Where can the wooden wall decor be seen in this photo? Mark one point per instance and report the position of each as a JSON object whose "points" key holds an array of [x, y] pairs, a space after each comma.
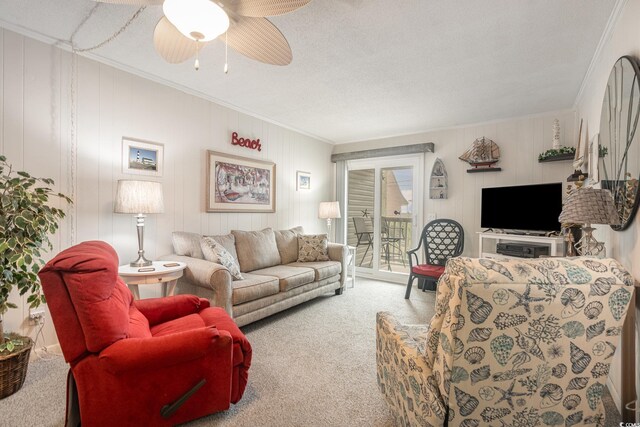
{"points": [[438, 182]]}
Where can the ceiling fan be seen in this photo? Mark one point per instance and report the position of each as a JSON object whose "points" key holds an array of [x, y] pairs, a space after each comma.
{"points": [[188, 25]]}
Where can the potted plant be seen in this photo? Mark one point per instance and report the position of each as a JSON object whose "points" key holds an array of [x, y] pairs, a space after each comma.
{"points": [[26, 222]]}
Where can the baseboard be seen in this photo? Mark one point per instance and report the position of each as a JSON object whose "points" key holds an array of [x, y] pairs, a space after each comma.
{"points": [[53, 349], [614, 394]]}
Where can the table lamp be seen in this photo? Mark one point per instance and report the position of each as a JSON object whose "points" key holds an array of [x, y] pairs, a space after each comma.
{"points": [[589, 206], [139, 198], [329, 211]]}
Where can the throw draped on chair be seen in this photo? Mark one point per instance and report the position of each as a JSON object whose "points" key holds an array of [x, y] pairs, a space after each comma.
{"points": [[160, 362], [518, 342], [441, 239]]}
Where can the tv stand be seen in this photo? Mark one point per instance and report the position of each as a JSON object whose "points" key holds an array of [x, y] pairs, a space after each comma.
{"points": [[488, 241]]}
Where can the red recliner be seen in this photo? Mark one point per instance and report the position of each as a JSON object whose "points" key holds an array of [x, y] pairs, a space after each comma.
{"points": [[159, 362]]}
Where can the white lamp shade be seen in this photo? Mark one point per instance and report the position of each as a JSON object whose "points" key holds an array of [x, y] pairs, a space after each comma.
{"points": [[329, 210], [139, 197], [200, 20]]}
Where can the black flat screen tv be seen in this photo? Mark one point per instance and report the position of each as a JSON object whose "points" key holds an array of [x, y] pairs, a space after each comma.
{"points": [[522, 208]]}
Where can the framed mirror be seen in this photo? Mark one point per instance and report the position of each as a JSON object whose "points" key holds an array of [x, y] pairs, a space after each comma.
{"points": [[619, 151]]}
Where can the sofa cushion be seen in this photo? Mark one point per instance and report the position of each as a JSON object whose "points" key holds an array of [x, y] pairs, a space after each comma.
{"points": [[313, 247], [287, 242], [256, 249], [187, 244], [323, 269], [290, 277], [254, 287], [215, 252], [228, 242]]}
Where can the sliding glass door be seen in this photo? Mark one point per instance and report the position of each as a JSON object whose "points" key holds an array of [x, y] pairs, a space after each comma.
{"points": [[383, 204]]}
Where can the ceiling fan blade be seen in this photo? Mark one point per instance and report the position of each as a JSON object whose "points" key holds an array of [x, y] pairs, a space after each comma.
{"points": [[259, 39], [261, 8], [171, 44], [133, 2]]}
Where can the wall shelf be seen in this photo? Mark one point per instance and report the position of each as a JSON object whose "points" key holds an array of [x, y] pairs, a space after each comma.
{"points": [[560, 158], [438, 182], [475, 170]]}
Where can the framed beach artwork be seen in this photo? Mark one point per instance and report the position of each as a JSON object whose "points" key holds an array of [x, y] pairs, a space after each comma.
{"points": [[303, 180], [142, 157], [240, 184]]}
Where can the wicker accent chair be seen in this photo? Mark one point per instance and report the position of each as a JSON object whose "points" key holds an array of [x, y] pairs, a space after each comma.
{"points": [[517, 342], [441, 239]]}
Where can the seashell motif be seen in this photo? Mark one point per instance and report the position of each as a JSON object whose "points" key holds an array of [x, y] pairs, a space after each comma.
{"points": [[594, 394], [549, 263], [579, 359], [573, 329], [501, 347], [479, 334], [571, 402], [595, 330], [470, 422], [578, 383], [600, 370], [520, 359], [573, 300], [573, 419], [478, 307], [613, 331], [458, 318], [596, 266], [551, 395], [446, 377], [593, 310], [491, 414], [492, 265], [466, 402], [621, 274], [474, 355], [558, 278], [618, 303], [501, 296], [487, 393], [552, 418], [459, 374], [480, 374], [577, 275], [601, 286], [444, 343], [509, 375], [506, 320], [529, 344], [432, 342], [458, 348], [559, 371]]}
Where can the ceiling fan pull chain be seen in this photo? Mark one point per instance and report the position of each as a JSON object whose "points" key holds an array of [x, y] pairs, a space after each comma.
{"points": [[226, 51], [197, 63]]}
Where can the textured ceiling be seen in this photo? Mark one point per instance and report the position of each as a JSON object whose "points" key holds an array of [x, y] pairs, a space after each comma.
{"points": [[365, 69]]}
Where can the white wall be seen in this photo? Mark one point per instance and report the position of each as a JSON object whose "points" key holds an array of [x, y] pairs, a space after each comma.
{"points": [[520, 141], [624, 39], [35, 127]]}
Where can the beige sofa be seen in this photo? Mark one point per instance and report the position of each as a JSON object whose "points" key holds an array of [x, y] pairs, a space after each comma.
{"points": [[273, 279]]}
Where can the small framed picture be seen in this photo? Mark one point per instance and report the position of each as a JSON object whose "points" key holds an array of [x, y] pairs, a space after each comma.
{"points": [[303, 180], [142, 157]]}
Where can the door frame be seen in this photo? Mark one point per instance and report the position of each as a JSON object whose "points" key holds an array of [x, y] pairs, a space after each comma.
{"points": [[378, 163]]}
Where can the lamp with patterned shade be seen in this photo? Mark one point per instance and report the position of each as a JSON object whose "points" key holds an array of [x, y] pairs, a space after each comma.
{"points": [[139, 197], [589, 206]]}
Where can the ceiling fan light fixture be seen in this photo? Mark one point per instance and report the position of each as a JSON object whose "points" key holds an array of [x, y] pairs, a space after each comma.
{"points": [[199, 20]]}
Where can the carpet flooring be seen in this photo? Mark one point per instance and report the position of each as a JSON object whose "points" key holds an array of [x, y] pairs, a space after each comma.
{"points": [[313, 365]]}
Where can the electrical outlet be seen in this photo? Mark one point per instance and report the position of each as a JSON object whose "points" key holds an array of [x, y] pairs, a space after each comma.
{"points": [[36, 314]]}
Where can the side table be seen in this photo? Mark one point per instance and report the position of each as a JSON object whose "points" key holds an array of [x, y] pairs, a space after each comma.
{"points": [[161, 273], [351, 265]]}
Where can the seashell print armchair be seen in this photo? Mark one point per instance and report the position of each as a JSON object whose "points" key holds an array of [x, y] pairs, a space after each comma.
{"points": [[518, 342]]}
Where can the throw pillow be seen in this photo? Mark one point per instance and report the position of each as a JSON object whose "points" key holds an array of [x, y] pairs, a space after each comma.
{"points": [[215, 252], [312, 247]]}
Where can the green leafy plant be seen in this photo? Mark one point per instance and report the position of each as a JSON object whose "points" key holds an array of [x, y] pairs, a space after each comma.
{"points": [[26, 222], [555, 153]]}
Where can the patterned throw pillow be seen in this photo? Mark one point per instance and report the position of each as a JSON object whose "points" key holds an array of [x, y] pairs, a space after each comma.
{"points": [[312, 247], [215, 252]]}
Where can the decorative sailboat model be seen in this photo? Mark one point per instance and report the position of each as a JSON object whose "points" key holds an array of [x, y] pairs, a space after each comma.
{"points": [[482, 155], [580, 159]]}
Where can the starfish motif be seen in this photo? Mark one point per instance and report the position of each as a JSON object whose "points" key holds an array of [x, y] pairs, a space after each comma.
{"points": [[524, 299], [365, 213], [509, 394]]}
